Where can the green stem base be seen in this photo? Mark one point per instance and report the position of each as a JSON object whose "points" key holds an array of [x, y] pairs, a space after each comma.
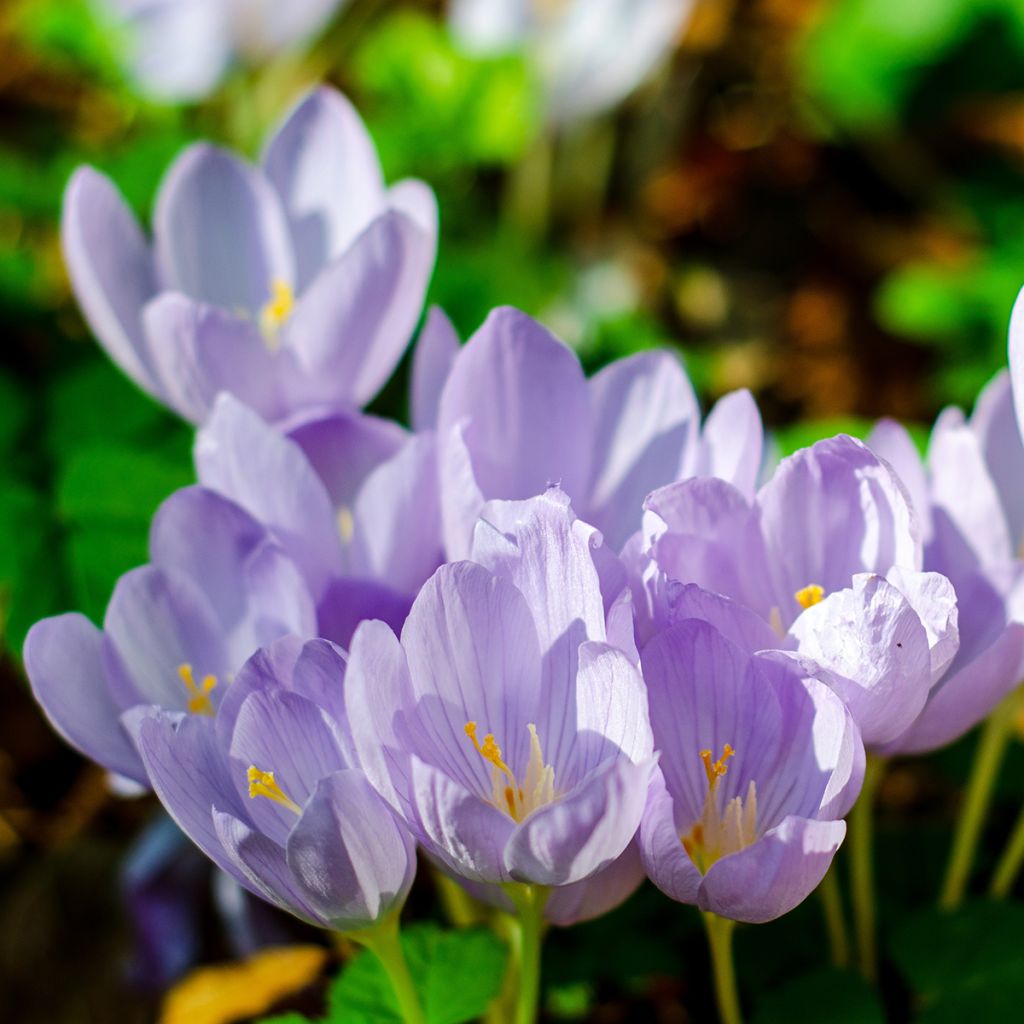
{"points": [[719, 930], [384, 942], [862, 873]]}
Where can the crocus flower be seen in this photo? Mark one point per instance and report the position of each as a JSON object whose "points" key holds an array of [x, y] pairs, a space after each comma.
{"points": [[588, 54], [517, 414], [352, 498], [266, 789], [181, 49], [503, 728], [176, 630], [967, 498], [758, 764], [294, 285], [824, 562]]}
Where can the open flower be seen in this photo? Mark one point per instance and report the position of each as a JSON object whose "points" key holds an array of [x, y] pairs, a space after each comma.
{"points": [[266, 789], [175, 632], [758, 763], [295, 285], [506, 731], [517, 414], [825, 562], [353, 499], [588, 54], [181, 49]]}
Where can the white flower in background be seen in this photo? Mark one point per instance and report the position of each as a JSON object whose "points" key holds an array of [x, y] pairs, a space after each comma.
{"points": [[181, 49], [589, 54]]}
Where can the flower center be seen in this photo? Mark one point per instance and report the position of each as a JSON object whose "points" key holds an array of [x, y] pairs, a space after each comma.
{"points": [[264, 784], [720, 832], [517, 800], [276, 311], [810, 595], [199, 702], [346, 524]]}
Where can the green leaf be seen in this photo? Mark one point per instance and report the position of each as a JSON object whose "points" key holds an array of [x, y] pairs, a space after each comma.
{"points": [[456, 973], [850, 1000]]}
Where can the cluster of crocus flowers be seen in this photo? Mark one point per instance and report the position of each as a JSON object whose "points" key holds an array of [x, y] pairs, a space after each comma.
{"points": [[559, 635]]}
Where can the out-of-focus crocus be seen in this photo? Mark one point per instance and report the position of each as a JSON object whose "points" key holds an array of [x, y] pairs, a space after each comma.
{"points": [[969, 499], [510, 736], [267, 790], [294, 285], [588, 54], [352, 498], [758, 764], [825, 563], [517, 414], [179, 50], [218, 587]]}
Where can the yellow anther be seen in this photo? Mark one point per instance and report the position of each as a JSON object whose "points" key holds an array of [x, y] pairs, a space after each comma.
{"points": [[810, 595], [264, 784], [520, 798], [199, 702], [715, 769], [276, 310]]}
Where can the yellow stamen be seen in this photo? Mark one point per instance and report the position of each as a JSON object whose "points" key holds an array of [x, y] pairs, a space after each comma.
{"points": [[810, 595], [199, 702], [516, 800], [264, 784], [715, 769], [276, 311]]}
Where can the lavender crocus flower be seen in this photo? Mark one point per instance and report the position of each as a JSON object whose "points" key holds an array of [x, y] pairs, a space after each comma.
{"points": [[758, 764], [517, 413], [181, 49], [825, 563], [968, 498], [588, 54], [503, 728], [176, 630], [294, 285], [352, 498], [266, 789]]}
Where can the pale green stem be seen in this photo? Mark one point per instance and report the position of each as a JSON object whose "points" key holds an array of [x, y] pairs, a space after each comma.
{"points": [[995, 735], [384, 942], [459, 907], [720, 931], [529, 901], [1009, 864], [835, 923], [527, 200], [508, 927], [862, 873]]}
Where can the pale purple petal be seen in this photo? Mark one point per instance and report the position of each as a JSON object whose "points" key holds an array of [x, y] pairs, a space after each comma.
{"points": [[111, 270], [734, 621], [732, 442], [347, 602], [601, 892], [774, 875], [64, 663], [932, 596], [220, 232], [416, 200], [461, 497], [995, 422], [1016, 355], [892, 441], [645, 418], [432, 360], [667, 863]]}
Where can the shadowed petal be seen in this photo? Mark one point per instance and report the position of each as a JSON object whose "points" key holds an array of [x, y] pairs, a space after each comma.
{"points": [[667, 863]]}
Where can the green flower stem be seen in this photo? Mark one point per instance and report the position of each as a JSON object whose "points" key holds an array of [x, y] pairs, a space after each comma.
{"points": [[835, 923], [720, 931], [529, 900], [1009, 864], [987, 761], [384, 942], [459, 907], [862, 869]]}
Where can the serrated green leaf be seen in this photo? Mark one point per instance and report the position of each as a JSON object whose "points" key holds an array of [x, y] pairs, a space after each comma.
{"points": [[456, 973]]}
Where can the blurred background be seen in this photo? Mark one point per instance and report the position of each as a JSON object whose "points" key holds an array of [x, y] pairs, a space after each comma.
{"points": [[820, 200]]}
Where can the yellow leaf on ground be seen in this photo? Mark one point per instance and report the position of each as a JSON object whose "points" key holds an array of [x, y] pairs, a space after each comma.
{"points": [[228, 992]]}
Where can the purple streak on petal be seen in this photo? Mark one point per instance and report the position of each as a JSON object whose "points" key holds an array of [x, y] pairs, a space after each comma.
{"points": [[645, 420], [221, 235], [524, 401], [468, 835], [775, 874], [249, 462], [351, 858], [111, 270], [324, 166], [351, 325], [667, 863], [584, 831], [432, 359], [348, 602], [64, 663]]}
